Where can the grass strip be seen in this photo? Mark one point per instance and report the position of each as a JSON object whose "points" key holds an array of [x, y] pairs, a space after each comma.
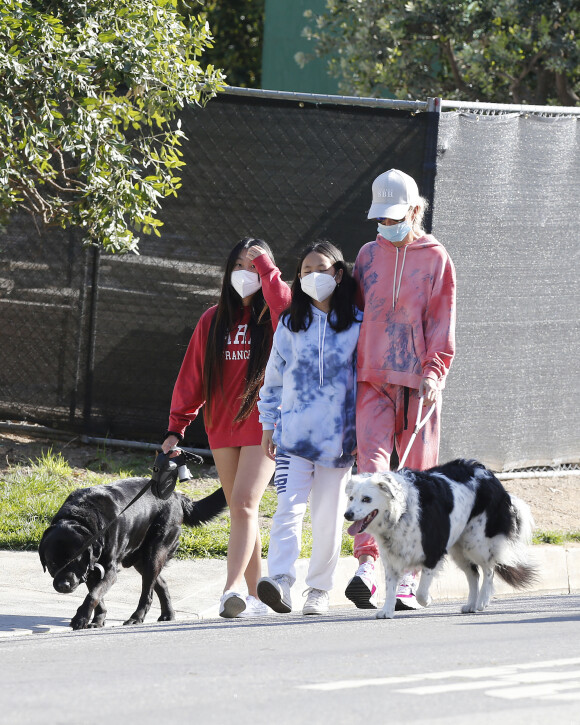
{"points": [[31, 494]]}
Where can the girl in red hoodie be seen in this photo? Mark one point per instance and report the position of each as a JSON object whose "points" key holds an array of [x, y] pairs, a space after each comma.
{"points": [[223, 371], [406, 344]]}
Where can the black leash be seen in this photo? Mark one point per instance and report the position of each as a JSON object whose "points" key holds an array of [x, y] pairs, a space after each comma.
{"points": [[162, 485]]}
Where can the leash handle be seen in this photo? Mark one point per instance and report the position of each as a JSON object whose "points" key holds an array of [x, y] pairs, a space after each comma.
{"points": [[418, 425], [183, 473]]}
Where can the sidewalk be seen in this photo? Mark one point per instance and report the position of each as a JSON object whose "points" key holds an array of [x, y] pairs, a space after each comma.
{"points": [[29, 604]]}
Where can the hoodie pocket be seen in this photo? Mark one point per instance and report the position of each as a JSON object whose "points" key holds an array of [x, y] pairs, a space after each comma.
{"points": [[388, 346]]}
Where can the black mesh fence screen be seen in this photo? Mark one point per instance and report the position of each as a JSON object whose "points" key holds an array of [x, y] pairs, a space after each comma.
{"points": [[507, 205], [43, 314], [96, 341]]}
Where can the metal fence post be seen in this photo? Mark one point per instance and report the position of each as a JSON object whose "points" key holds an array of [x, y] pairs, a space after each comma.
{"points": [[91, 338], [430, 162]]}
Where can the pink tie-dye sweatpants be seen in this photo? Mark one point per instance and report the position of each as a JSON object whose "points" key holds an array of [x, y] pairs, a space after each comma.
{"points": [[380, 429]]}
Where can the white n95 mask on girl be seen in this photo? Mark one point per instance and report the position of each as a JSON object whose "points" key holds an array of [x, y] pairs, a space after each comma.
{"points": [[318, 285], [245, 282]]}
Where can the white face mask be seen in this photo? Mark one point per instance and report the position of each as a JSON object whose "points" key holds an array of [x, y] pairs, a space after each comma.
{"points": [[245, 282], [318, 285]]}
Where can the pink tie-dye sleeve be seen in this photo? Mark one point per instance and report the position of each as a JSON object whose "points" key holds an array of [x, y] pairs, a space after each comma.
{"points": [[440, 327]]}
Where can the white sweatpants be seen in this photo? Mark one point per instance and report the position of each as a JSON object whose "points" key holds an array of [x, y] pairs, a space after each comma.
{"points": [[296, 479]]}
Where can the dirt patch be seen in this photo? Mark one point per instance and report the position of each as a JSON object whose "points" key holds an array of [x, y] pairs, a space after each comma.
{"points": [[555, 502], [18, 449]]}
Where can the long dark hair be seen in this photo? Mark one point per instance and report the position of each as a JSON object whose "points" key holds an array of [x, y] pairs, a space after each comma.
{"points": [[342, 310], [227, 314]]}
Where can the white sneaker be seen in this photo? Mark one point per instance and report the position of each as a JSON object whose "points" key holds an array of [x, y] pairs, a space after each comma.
{"points": [[406, 592], [362, 588], [254, 608], [231, 604], [275, 592], [316, 601]]}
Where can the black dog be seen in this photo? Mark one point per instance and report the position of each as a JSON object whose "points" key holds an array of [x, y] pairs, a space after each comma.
{"points": [[145, 536]]}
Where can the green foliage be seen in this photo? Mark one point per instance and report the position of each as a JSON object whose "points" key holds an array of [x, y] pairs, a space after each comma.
{"points": [[555, 537], [29, 498], [504, 51], [89, 92], [238, 29], [209, 541]]}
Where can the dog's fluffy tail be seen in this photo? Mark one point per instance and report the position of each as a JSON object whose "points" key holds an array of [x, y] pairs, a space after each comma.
{"points": [[196, 513], [523, 521], [522, 576], [515, 566]]}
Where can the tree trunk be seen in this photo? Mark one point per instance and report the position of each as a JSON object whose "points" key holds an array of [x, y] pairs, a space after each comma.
{"points": [[566, 95], [544, 85]]}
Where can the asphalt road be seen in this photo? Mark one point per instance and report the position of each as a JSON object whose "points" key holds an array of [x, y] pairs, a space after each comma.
{"points": [[519, 662]]}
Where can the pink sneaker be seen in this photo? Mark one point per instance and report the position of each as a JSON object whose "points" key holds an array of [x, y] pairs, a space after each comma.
{"points": [[362, 588], [406, 592]]}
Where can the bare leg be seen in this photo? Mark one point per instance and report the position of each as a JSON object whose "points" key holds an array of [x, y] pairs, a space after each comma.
{"points": [[244, 474]]}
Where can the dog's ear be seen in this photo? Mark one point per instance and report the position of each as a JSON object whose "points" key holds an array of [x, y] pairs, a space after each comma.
{"points": [[42, 546], [385, 482], [356, 479], [389, 485]]}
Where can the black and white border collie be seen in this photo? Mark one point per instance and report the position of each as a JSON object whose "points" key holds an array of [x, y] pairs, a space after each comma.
{"points": [[417, 517]]}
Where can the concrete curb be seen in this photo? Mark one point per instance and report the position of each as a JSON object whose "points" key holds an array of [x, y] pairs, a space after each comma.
{"points": [[29, 604]]}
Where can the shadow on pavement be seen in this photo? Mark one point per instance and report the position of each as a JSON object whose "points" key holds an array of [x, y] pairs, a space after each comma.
{"points": [[9, 622]]}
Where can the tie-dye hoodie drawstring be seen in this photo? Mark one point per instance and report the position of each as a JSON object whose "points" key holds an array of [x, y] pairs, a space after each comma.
{"points": [[395, 286], [321, 352]]}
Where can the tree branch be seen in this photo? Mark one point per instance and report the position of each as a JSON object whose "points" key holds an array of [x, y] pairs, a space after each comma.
{"points": [[448, 51]]}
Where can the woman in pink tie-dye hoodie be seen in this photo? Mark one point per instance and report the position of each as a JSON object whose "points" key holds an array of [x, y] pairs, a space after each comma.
{"points": [[407, 342]]}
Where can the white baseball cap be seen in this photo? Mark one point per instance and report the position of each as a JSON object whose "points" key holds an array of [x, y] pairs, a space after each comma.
{"points": [[393, 193]]}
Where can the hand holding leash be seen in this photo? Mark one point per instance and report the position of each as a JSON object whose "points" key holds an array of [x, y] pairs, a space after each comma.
{"points": [[428, 390], [169, 443]]}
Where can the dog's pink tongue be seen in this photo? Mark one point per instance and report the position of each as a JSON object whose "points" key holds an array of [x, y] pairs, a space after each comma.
{"points": [[354, 528]]}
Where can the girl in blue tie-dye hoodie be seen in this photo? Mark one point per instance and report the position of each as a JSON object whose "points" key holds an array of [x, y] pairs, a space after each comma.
{"points": [[307, 410]]}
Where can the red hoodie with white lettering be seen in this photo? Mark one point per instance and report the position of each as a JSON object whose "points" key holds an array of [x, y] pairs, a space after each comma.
{"points": [[188, 395]]}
